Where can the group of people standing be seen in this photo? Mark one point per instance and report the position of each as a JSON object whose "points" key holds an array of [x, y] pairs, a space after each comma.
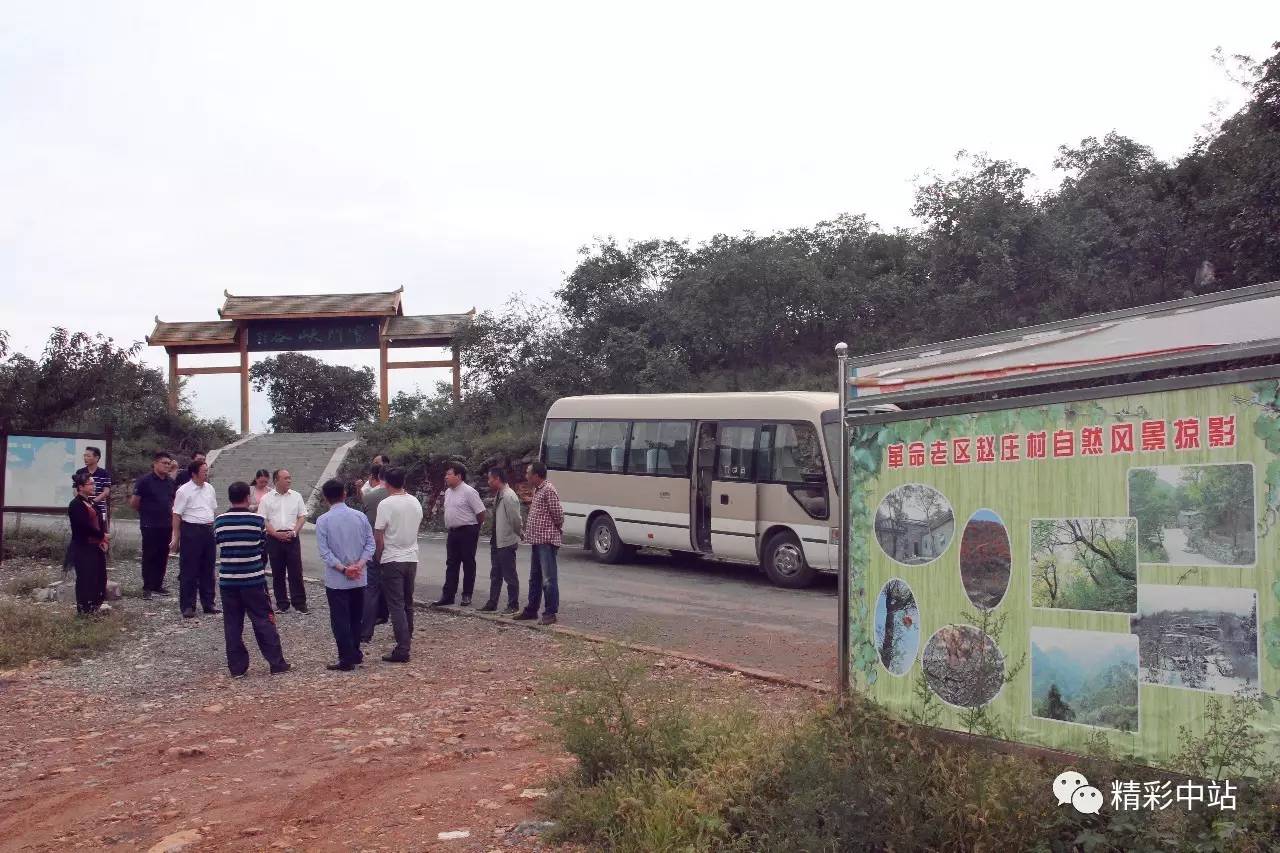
{"points": [[369, 548]]}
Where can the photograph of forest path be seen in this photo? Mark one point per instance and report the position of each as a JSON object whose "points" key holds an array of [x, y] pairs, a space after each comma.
{"points": [[984, 559], [1085, 564], [1087, 677], [1194, 515], [963, 666], [897, 626], [1204, 638]]}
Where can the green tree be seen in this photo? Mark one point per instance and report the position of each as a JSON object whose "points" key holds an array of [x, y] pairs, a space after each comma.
{"points": [[308, 395], [1054, 707], [83, 382]]}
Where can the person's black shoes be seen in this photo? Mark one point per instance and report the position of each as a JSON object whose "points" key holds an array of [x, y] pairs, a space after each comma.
{"points": [[277, 670], [395, 658], [512, 610], [524, 615], [443, 602], [466, 601], [189, 613], [283, 609], [302, 608], [212, 610], [161, 591], [341, 667], [547, 620], [146, 595], [489, 607]]}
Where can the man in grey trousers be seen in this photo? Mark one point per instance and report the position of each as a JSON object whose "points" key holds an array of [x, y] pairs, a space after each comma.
{"points": [[508, 527]]}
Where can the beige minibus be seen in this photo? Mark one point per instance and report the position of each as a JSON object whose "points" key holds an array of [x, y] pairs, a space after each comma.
{"points": [[743, 476]]}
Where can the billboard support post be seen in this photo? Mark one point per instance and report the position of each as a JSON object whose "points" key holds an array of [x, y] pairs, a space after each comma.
{"points": [[842, 548]]}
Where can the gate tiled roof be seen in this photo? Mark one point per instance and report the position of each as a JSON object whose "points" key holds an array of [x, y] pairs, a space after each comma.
{"points": [[311, 305]]}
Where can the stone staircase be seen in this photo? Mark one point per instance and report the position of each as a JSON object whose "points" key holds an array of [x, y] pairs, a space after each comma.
{"points": [[306, 455]]}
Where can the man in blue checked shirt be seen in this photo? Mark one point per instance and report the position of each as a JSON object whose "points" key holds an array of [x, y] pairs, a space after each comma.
{"points": [[242, 580], [345, 539]]}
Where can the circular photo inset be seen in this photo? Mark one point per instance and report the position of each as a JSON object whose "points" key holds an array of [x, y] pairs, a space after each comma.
{"points": [[915, 524], [897, 626], [984, 559], [963, 666]]}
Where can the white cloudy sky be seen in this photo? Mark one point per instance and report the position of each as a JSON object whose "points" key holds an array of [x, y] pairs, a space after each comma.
{"points": [[154, 154]]}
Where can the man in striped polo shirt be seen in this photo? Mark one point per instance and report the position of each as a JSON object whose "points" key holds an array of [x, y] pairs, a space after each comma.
{"points": [[242, 579]]}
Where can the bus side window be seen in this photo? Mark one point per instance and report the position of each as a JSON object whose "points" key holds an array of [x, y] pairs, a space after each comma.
{"points": [[555, 446]]}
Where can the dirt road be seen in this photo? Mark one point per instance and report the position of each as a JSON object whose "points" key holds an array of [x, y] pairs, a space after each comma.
{"points": [[153, 745]]}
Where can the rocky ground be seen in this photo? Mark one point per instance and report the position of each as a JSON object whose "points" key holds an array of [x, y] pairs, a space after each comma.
{"points": [[152, 746]]}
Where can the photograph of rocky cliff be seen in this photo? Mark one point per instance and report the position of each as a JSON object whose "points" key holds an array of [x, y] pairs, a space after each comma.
{"points": [[1203, 638]]}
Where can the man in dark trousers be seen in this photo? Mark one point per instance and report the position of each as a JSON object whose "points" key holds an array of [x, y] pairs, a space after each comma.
{"points": [[194, 507], [242, 579], [463, 515], [344, 538], [152, 499], [88, 548], [375, 604], [285, 513]]}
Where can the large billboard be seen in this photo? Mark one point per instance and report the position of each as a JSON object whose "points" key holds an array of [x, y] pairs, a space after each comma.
{"points": [[38, 468], [1062, 570]]}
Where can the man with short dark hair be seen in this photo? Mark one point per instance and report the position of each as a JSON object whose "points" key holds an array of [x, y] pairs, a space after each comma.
{"points": [[152, 499], [194, 507], [463, 515], [185, 474], [508, 527], [345, 540], [396, 540], [380, 462], [544, 531], [375, 603], [285, 513], [101, 482], [242, 579]]}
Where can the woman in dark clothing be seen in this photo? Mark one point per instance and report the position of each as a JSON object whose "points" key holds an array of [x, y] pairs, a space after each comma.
{"points": [[88, 547]]}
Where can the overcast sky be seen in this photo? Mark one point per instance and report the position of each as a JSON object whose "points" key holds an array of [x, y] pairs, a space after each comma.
{"points": [[154, 154]]}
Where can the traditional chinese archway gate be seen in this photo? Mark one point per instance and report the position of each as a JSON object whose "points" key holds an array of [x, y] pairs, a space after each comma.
{"points": [[333, 321]]}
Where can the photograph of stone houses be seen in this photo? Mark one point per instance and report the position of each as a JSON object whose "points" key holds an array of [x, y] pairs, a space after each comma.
{"points": [[915, 524]]}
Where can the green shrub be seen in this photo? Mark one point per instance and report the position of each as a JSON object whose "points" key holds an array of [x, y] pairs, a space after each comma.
{"points": [[656, 771]]}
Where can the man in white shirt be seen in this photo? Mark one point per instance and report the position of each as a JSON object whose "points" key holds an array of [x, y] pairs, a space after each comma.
{"points": [[395, 535], [194, 507], [463, 515], [285, 512]]}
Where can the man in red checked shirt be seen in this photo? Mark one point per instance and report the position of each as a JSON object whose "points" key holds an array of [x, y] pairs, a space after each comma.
{"points": [[543, 530]]}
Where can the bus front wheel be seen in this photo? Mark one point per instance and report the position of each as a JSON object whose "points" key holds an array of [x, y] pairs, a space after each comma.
{"points": [[604, 540], [784, 562]]}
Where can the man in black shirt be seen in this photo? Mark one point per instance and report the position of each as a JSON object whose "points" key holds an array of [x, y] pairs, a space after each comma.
{"points": [[101, 481], [153, 500], [184, 475]]}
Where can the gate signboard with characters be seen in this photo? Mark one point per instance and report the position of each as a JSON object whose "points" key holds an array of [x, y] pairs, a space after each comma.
{"points": [[1059, 565]]}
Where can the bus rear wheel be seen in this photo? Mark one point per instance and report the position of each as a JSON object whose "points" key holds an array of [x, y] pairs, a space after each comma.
{"points": [[784, 562], [604, 541]]}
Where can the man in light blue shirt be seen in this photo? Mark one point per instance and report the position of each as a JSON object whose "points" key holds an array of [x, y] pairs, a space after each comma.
{"points": [[346, 544]]}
